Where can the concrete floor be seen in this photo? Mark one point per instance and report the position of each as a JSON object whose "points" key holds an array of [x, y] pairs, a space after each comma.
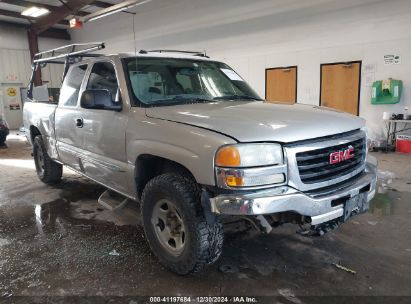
{"points": [[56, 241]]}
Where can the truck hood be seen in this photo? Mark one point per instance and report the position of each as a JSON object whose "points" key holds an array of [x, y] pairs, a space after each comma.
{"points": [[260, 121]]}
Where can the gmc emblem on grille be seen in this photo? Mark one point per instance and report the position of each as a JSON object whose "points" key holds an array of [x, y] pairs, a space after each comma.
{"points": [[340, 156]]}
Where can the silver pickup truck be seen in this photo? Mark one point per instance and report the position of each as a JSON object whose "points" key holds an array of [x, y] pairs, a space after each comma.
{"points": [[187, 138]]}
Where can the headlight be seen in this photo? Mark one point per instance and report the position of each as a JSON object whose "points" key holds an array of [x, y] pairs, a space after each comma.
{"points": [[249, 155], [250, 166]]}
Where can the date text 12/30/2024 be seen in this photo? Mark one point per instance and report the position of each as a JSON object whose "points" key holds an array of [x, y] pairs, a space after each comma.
{"points": [[207, 299]]}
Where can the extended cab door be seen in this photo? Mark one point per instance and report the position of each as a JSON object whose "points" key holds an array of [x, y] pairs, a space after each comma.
{"points": [[104, 132], [68, 126]]}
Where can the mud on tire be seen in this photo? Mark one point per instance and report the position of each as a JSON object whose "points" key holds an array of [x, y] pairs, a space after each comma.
{"points": [[48, 171], [203, 241]]}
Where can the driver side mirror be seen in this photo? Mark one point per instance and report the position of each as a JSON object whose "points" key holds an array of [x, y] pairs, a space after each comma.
{"points": [[99, 100]]}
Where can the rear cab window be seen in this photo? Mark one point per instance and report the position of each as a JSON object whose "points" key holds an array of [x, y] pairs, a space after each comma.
{"points": [[103, 77], [69, 93]]}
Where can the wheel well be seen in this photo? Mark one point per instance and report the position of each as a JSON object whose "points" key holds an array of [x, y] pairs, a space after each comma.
{"points": [[34, 132], [149, 166]]}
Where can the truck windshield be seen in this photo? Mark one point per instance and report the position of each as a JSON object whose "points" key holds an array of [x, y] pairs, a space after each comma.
{"points": [[170, 81]]}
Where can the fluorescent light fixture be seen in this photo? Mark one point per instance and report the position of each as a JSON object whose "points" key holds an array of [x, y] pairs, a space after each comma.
{"points": [[113, 9], [35, 11]]}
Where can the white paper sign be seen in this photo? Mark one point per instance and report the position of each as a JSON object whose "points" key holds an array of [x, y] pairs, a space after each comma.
{"points": [[232, 75], [370, 68], [369, 79], [392, 59]]}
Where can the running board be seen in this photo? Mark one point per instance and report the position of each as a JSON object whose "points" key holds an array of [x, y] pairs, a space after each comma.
{"points": [[112, 203]]}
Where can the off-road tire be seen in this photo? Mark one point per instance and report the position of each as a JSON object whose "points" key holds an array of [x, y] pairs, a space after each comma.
{"points": [[51, 172], [204, 241]]}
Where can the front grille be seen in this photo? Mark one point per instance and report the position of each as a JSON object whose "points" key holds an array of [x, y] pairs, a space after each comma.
{"points": [[314, 166]]}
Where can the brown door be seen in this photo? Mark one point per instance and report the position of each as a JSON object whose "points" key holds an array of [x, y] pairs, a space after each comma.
{"points": [[281, 85], [340, 86]]}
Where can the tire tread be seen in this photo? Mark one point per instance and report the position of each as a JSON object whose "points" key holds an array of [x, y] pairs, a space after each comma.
{"points": [[53, 171], [210, 237]]}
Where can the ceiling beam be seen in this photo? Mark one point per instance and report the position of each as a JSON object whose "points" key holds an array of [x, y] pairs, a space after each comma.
{"points": [[51, 8], [34, 49], [55, 33], [101, 4], [58, 15], [14, 14]]}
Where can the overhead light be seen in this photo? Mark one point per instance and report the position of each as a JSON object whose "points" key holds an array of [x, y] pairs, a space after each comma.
{"points": [[113, 9], [75, 23], [35, 11]]}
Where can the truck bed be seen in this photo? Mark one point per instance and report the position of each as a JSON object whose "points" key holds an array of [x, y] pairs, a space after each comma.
{"points": [[41, 116]]}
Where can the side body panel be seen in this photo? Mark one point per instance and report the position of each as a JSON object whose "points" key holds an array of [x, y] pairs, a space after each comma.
{"points": [[103, 154], [192, 147], [68, 134], [103, 151], [69, 137], [41, 116]]}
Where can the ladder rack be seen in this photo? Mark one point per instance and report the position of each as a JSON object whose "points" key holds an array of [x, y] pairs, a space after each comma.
{"points": [[66, 55]]}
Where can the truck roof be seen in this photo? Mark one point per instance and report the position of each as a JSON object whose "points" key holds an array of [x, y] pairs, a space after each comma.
{"points": [[75, 54], [147, 55], [165, 54]]}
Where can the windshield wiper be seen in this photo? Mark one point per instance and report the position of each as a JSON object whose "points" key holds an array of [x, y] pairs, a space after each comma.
{"points": [[179, 99], [236, 97]]}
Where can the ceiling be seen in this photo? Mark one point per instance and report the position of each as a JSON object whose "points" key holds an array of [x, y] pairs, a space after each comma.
{"points": [[10, 10]]}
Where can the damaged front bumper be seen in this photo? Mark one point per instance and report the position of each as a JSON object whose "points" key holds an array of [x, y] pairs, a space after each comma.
{"points": [[324, 205]]}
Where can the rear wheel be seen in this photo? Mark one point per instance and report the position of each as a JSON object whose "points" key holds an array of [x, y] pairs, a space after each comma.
{"points": [[175, 226], [48, 171]]}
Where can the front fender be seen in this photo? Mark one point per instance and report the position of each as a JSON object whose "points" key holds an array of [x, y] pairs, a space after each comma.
{"points": [[191, 147]]}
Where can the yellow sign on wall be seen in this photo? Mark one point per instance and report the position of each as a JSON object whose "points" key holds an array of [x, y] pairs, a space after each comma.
{"points": [[11, 92]]}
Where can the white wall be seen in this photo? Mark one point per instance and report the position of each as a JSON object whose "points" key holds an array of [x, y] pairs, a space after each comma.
{"points": [[15, 56], [255, 35], [15, 67]]}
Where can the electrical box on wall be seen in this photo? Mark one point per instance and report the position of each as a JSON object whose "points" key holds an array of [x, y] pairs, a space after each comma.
{"points": [[386, 91]]}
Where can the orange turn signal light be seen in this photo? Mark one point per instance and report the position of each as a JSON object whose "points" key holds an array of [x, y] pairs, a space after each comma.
{"points": [[228, 156]]}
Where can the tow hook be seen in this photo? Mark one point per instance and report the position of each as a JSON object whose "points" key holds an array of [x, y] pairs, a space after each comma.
{"points": [[264, 223]]}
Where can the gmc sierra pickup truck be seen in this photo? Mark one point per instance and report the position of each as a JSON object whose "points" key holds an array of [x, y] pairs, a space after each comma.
{"points": [[187, 138]]}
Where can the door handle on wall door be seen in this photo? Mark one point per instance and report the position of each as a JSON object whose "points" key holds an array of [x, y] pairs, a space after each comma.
{"points": [[79, 122]]}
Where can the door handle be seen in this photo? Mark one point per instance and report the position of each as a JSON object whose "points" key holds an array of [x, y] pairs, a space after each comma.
{"points": [[79, 122]]}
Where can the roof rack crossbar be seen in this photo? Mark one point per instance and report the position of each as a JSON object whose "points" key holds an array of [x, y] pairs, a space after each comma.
{"points": [[74, 45], [71, 51], [203, 54]]}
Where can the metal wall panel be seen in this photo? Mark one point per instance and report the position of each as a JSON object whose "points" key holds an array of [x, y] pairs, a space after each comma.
{"points": [[17, 63]]}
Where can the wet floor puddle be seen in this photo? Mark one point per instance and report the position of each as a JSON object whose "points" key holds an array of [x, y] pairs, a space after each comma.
{"points": [[38, 240], [383, 204]]}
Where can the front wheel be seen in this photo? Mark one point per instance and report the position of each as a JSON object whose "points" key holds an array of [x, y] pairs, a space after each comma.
{"points": [[48, 171], [175, 226]]}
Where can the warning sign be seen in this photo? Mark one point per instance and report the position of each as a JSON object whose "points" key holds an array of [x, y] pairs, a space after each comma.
{"points": [[11, 92], [14, 107]]}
